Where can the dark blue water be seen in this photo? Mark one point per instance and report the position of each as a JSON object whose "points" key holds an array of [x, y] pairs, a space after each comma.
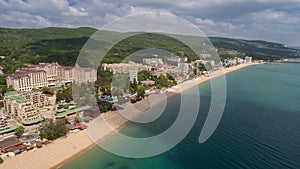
{"points": [[260, 127]]}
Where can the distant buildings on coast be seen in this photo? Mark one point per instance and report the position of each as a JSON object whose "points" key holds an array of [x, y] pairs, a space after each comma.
{"points": [[236, 61], [24, 103]]}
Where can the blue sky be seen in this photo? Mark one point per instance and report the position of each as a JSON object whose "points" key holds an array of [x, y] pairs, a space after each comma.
{"points": [[271, 20]]}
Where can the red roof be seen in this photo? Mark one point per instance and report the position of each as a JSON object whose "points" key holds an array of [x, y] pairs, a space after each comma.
{"points": [[10, 143]]}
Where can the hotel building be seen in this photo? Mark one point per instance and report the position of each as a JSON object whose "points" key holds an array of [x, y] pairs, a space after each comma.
{"points": [[23, 106], [153, 61], [124, 67], [84, 75], [248, 59], [48, 74], [27, 79], [183, 67]]}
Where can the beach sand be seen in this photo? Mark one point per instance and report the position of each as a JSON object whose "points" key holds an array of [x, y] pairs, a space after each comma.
{"points": [[63, 150]]}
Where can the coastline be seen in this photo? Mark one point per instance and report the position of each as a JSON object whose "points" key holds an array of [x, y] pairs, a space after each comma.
{"points": [[63, 150]]}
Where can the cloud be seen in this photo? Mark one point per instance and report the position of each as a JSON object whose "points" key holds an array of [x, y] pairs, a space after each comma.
{"points": [[274, 20], [21, 19]]}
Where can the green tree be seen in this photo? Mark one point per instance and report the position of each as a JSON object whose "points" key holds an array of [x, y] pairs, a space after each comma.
{"points": [[53, 130], [170, 77], [46, 91], [19, 131], [1, 160], [77, 118], [133, 87], [144, 75], [105, 106], [140, 90], [162, 81]]}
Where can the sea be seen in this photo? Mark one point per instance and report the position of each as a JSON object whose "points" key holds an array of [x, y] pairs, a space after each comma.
{"points": [[260, 127]]}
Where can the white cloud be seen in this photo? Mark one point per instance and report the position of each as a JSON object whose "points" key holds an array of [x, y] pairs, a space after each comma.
{"points": [[274, 16], [255, 19], [21, 19]]}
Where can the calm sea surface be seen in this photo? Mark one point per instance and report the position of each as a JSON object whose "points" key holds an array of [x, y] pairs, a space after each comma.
{"points": [[260, 127]]}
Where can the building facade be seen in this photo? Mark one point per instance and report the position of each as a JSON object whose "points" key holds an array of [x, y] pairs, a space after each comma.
{"points": [[133, 75], [153, 61], [84, 75], [27, 79], [23, 106], [124, 67], [248, 59], [183, 67], [65, 74], [48, 74]]}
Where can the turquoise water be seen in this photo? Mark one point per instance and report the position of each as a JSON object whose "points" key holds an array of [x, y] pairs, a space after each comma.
{"points": [[260, 127]]}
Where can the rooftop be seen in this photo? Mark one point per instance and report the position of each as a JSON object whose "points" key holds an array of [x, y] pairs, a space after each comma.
{"points": [[68, 112], [33, 121], [11, 93], [10, 129], [19, 99], [9, 142]]}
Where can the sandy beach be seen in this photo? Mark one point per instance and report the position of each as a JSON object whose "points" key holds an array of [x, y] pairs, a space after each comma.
{"points": [[63, 150]]}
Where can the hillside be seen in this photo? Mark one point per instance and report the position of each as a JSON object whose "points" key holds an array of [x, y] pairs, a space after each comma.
{"points": [[63, 45], [257, 49]]}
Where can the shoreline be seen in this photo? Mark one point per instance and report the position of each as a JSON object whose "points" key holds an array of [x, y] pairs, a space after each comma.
{"points": [[57, 154]]}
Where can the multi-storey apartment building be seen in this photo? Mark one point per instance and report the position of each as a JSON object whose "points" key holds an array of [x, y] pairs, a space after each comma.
{"points": [[124, 67], [23, 106], [49, 68], [65, 74], [27, 79], [84, 75], [48, 74]]}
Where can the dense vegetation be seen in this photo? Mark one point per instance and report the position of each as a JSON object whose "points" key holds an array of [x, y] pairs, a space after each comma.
{"points": [[63, 45], [64, 94], [19, 131], [52, 130], [257, 49]]}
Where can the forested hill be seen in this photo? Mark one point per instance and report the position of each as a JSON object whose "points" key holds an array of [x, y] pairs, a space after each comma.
{"points": [[256, 48], [19, 46]]}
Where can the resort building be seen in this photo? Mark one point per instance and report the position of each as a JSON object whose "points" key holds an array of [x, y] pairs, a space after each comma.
{"points": [[49, 68], [23, 106], [124, 67], [183, 67], [133, 75], [238, 60], [153, 61], [65, 74], [25, 79], [248, 59], [48, 74], [84, 75]]}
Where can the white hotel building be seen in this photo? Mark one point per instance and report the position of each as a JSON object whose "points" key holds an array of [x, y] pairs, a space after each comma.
{"points": [[48, 74], [26, 80]]}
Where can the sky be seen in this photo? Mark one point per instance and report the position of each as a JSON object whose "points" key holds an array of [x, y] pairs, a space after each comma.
{"points": [[270, 20]]}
